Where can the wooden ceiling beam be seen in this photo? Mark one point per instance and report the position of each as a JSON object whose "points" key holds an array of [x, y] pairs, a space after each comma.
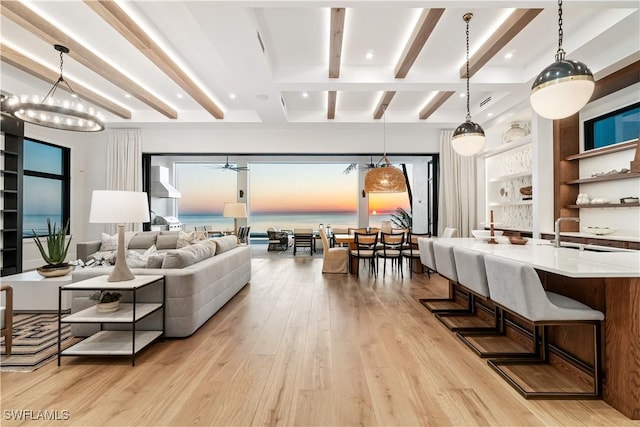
{"points": [[434, 104], [335, 42], [34, 23], [421, 33], [132, 32], [383, 104], [515, 23], [331, 104], [18, 60]]}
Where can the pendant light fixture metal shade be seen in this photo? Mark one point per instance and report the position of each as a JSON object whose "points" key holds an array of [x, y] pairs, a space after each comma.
{"points": [[468, 138], [564, 87], [53, 112], [384, 177]]}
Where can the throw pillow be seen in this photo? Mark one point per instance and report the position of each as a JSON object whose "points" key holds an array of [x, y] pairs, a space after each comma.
{"points": [[110, 243], [185, 239], [155, 261], [143, 240], [139, 260], [167, 241]]}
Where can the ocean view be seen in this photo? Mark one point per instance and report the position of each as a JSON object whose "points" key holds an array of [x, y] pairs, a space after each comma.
{"points": [[260, 222]]}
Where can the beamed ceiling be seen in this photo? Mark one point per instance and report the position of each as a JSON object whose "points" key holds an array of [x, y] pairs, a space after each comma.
{"points": [[305, 62]]}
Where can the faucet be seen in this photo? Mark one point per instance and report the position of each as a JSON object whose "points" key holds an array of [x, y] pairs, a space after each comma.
{"points": [[556, 241]]}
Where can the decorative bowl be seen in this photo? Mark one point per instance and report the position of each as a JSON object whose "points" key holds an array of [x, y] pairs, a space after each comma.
{"points": [[516, 240], [486, 234], [600, 231], [629, 200]]}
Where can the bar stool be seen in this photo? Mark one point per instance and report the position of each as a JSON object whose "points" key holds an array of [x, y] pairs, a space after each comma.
{"points": [[516, 287], [473, 276], [445, 265]]}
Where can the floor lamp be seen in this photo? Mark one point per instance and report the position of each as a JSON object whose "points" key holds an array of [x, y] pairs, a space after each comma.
{"points": [[235, 211], [119, 207]]}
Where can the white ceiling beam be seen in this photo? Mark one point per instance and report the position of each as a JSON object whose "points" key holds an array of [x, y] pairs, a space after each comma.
{"points": [[34, 23], [18, 60], [132, 32]]}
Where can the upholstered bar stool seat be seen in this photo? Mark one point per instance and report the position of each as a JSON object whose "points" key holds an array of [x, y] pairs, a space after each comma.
{"points": [[445, 265], [472, 330], [517, 288]]}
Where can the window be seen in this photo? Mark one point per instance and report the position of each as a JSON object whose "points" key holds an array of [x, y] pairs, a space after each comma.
{"points": [[46, 185], [618, 126]]}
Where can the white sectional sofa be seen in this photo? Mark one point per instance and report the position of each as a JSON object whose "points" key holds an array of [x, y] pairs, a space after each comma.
{"points": [[194, 293]]}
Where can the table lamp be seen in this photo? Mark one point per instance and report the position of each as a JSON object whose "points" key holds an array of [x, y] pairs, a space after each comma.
{"points": [[119, 207], [235, 211]]}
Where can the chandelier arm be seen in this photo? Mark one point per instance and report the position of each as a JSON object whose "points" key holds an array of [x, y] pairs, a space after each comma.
{"points": [[52, 91]]}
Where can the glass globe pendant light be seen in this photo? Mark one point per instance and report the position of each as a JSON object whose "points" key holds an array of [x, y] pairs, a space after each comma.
{"points": [[53, 112], [564, 87], [468, 138]]}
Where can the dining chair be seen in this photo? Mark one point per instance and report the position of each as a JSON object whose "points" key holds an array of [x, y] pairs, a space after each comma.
{"points": [[365, 248], [303, 238], [411, 251], [334, 260], [6, 318], [449, 232], [392, 244]]}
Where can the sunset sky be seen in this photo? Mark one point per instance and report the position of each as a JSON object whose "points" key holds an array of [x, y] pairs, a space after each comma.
{"points": [[279, 188]]}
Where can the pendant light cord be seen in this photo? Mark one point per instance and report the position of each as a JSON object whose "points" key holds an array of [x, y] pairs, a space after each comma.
{"points": [[560, 54], [467, 19]]}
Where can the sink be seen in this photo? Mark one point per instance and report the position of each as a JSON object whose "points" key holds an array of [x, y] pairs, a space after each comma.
{"points": [[588, 247]]}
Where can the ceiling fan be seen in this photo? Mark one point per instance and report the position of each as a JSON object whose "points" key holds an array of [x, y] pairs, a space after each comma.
{"points": [[354, 166], [228, 166]]}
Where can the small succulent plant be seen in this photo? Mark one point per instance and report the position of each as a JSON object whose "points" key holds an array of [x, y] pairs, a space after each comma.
{"points": [[103, 297]]}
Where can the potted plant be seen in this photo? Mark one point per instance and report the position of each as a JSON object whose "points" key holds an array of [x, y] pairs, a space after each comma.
{"points": [[106, 302], [55, 253]]}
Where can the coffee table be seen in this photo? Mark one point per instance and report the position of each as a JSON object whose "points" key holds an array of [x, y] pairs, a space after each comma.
{"points": [[34, 293]]}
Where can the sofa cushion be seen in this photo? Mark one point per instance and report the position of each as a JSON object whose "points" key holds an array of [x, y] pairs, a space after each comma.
{"points": [[136, 259], [143, 240], [189, 255], [225, 243], [167, 241], [155, 261]]}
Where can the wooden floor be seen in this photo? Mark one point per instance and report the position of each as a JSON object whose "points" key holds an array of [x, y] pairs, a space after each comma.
{"points": [[297, 347]]}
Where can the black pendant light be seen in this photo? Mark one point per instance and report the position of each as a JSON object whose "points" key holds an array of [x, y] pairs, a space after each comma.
{"points": [[564, 87], [468, 138]]}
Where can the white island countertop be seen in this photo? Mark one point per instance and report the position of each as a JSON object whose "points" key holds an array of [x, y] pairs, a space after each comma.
{"points": [[564, 261]]}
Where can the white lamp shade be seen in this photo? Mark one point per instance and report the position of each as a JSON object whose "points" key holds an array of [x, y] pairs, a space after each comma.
{"points": [[118, 207], [235, 210], [563, 99], [468, 145]]}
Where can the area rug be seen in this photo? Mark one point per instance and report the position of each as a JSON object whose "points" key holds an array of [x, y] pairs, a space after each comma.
{"points": [[35, 342]]}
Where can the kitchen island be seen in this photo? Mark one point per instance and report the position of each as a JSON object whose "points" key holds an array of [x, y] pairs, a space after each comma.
{"points": [[608, 281]]}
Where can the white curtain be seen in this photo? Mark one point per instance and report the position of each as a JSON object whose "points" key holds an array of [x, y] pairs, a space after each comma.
{"points": [[457, 192], [124, 164]]}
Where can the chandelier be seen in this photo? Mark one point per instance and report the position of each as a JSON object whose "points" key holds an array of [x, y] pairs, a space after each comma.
{"points": [[468, 138], [53, 112], [384, 178], [564, 87]]}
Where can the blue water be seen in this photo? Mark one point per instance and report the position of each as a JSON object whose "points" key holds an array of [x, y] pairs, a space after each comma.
{"points": [[39, 224], [260, 222]]}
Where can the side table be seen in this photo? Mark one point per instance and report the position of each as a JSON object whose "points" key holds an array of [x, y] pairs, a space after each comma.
{"points": [[34, 293], [114, 342]]}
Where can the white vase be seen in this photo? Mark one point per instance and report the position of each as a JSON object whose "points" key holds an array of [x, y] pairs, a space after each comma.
{"points": [[515, 132]]}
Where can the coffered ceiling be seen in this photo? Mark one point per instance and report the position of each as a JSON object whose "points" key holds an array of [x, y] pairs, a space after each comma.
{"points": [[305, 62]]}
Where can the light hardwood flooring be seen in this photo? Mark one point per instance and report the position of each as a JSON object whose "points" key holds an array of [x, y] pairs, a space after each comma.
{"points": [[296, 347]]}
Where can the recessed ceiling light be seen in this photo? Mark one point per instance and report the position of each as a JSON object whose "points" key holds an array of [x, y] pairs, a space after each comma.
{"points": [[369, 55], [127, 95], [179, 95], [262, 97], [508, 55], [232, 95], [462, 95], [305, 95], [490, 114]]}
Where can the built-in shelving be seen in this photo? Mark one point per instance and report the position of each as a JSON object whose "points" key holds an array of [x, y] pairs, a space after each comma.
{"points": [[604, 205], [604, 151], [509, 177], [603, 178], [515, 203], [12, 133]]}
